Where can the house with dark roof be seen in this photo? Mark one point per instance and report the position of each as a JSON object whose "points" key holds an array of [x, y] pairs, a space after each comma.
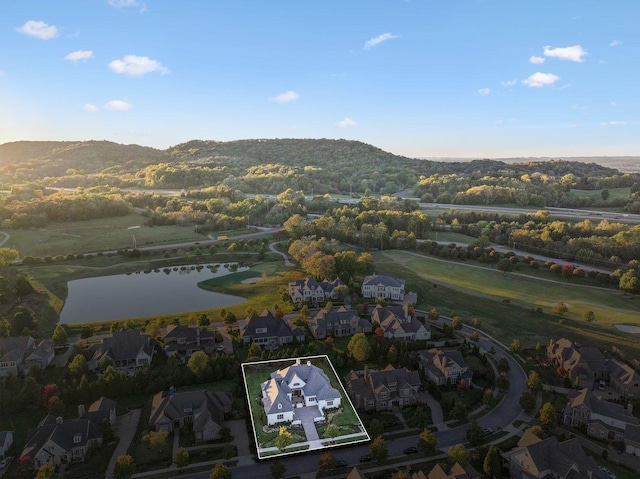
{"points": [[582, 363], [457, 471], [269, 331], [313, 292], [19, 353], [6, 440], [103, 408], [297, 386], [602, 419], [397, 323], [202, 410], [126, 349], [55, 441], [381, 390], [625, 380], [444, 367], [384, 287], [182, 340], [549, 458], [337, 322]]}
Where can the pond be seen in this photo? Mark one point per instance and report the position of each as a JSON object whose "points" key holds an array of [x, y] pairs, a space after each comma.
{"points": [[161, 291]]}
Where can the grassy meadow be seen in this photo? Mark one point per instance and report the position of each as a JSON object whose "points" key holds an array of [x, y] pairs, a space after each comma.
{"points": [[506, 304]]}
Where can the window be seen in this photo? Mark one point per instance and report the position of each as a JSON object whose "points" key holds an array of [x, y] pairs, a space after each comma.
{"points": [[77, 438], [279, 406], [330, 403], [280, 417]]}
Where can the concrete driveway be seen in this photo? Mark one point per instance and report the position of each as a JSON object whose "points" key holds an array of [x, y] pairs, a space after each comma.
{"points": [[306, 415], [126, 426]]}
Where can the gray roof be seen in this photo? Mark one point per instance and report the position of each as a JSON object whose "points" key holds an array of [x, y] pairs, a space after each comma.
{"points": [[194, 337], [62, 434], [123, 345], [275, 327], [380, 280], [3, 437], [599, 406], [204, 405]]}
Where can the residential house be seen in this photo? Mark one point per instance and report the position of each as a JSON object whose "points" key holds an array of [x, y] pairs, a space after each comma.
{"points": [[445, 367], [182, 340], [6, 440], [601, 419], [126, 349], [549, 458], [397, 323], [55, 441], [296, 386], [337, 322], [582, 363], [355, 474], [457, 471], [19, 353], [632, 440], [314, 292], [383, 390], [384, 287], [203, 410], [269, 331], [625, 380]]}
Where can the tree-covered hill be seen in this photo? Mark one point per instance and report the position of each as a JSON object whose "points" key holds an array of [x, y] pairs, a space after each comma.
{"points": [[35, 160]]}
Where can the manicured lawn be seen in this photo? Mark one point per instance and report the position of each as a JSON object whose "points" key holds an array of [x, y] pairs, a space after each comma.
{"points": [[233, 278], [505, 303], [97, 463]]}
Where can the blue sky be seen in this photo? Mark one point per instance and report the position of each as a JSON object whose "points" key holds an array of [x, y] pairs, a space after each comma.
{"points": [[422, 78]]}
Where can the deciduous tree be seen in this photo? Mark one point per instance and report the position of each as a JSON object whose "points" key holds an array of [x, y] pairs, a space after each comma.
{"points": [[427, 442]]}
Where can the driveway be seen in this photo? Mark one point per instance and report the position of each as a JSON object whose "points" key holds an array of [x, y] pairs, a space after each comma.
{"points": [[306, 415], [126, 426]]}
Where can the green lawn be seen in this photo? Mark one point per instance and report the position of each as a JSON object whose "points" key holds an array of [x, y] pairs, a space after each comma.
{"points": [[505, 303]]}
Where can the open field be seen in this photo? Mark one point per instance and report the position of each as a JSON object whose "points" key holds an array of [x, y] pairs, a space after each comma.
{"points": [[103, 234], [614, 194], [505, 303]]}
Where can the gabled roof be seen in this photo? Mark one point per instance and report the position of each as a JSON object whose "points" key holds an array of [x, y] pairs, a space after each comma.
{"points": [[266, 321], [123, 345], [63, 434], [601, 407], [202, 405]]}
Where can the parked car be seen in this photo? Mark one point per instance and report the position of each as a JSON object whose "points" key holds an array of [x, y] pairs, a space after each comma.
{"points": [[410, 450], [220, 348], [608, 472], [5, 462], [365, 458], [487, 430]]}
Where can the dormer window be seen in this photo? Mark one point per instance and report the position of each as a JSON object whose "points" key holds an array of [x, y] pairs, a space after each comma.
{"points": [[77, 438], [279, 406]]}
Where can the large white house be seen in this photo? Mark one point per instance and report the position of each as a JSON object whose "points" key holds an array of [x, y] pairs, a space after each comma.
{"points": [[385, 287], [299, 385]]}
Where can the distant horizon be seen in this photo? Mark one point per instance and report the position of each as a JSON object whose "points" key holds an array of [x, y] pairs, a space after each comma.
{"points": [[466, 79]]}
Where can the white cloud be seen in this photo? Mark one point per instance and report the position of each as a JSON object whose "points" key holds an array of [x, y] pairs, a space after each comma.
{"points": [[39, 29], [615, 43], [347, 122], [118, 105], [128, 4], [508, 83], [574, 53], [613, 123], [484, 91], [90, 108], [286, 97], [378, 40], [536, 60], [541, 79], [79, 55], [136, 66]]}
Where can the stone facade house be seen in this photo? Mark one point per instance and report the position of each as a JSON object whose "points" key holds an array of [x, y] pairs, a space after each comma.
{"points": [[19, 353], [313, 292], [582, 363], [296, 386], [182, 340], [383, 390], [385, 287], [57, 442], [444, 367], [397, 323], [269, 331], [127, 350], [203, 410], [601, 419], [549, 458], [337, 322]]}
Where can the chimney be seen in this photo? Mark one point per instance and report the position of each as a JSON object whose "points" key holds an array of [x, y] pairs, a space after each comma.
{"points": [[630, 409], [81, 410], [308, 363], [406, 310], [589, 473], [366, 371], [172, 391], [59, 420]]}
